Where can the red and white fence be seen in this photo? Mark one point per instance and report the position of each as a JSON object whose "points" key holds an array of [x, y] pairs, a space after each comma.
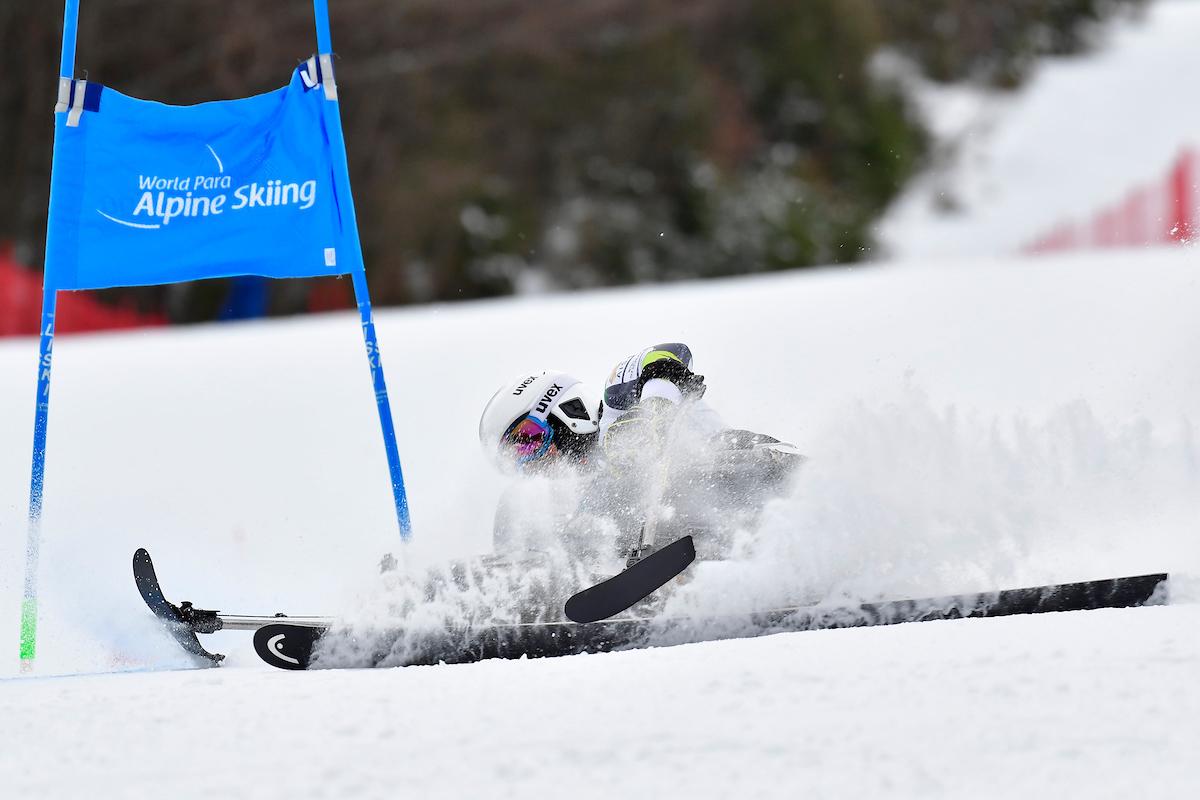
{"points": [[1166, 211], [21, 306]]}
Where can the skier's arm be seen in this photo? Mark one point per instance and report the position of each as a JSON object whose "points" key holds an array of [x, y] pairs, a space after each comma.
{"points": [[663, 382]]}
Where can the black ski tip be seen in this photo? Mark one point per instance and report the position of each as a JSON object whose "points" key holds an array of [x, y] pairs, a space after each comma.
{"points": [[167, 612], [286, 646], [625, 589], [143, 569]]}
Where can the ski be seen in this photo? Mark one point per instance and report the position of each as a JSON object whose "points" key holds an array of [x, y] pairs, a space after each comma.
{"points": [[285, 645], [184, 621], [629, 587], [289, 646]]}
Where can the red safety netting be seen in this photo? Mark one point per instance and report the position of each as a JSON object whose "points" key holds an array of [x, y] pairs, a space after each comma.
{"points": [[1164, 211], [78, 312]]}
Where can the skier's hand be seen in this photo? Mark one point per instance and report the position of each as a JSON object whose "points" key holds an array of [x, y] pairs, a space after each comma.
{"points": [[690, 384]]}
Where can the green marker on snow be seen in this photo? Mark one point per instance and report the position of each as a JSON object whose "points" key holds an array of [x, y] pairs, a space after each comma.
{"points": [[28, 633]]}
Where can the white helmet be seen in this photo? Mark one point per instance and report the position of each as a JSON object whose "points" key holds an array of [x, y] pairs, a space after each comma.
{"points": [[556, 408]]}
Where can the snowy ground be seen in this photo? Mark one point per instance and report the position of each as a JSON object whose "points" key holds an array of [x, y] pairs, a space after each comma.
{"points": [[1084, 132], [1100, 704], [997, 424]]}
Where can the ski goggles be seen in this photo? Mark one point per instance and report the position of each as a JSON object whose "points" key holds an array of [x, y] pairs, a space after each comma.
{"points": [[527, 439]]}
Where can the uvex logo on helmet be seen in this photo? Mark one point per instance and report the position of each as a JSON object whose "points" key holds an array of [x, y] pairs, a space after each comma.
{"points": [[550, 394], [524, 384]]}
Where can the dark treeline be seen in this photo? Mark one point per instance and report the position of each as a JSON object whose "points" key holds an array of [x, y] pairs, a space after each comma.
{"points": [[501, 145]]}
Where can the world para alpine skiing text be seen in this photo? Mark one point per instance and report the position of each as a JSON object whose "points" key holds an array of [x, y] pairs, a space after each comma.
{"points": [[159, 200]]}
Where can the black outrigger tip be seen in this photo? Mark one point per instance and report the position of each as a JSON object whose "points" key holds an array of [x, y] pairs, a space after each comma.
{"points": [[625, 589], [184, 621]]}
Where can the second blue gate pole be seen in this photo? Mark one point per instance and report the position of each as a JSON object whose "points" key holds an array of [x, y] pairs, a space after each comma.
{"points": [[363, 298]]}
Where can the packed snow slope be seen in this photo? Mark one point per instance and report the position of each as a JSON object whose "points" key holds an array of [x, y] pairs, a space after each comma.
{"points": [[1083, 132], [995, 424], [1097, 704]]}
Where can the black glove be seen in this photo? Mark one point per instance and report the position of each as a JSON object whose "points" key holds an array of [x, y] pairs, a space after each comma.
{"points": [[690, 384]]}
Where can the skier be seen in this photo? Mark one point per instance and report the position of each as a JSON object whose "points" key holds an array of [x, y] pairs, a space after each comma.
{"points": [[550, 417], [648, 440]]}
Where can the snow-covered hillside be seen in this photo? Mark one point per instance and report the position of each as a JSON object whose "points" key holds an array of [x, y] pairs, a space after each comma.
{"points": [[1015, 422], [1083, 132], [1099, 704]]}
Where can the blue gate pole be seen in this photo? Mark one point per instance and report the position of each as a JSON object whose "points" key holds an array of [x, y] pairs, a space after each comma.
{"points": [[324, 38], [363, 298], [70, 26], [33, 541], [41, 419]]}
